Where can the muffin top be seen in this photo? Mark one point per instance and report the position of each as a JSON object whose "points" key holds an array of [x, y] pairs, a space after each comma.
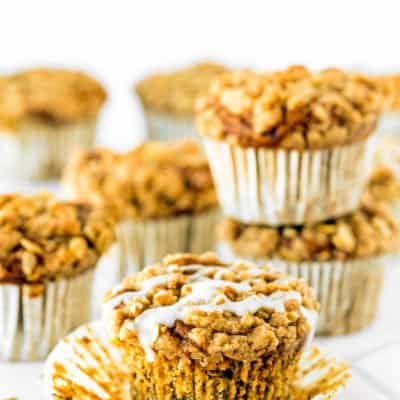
{"points": [[370, 231], [52, 95], [42, 238], [210, 311], [175, 92], [154, 180], [292, 109]]}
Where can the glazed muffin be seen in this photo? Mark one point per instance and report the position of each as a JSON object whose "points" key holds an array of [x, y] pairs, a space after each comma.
{"points": [[342, 259], [48, 254], [192, 327], [46, 115], [168, 99], [289, 147], [162, 194]]}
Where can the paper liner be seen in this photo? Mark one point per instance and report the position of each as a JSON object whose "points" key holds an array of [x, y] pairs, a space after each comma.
{"points": [[277, 186], [148, 241], [349, 292], [85, 366], [39, 150], [164, 126], [33, 318]]}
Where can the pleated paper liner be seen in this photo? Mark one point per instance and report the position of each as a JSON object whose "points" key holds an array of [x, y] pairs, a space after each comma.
{"points": [[164, 126], [278, 186], [85, 366], [40, 150], [148, 241], [33, 318], [349, 292]]}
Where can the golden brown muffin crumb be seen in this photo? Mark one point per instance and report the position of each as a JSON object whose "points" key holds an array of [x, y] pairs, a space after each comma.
{"points": [[175, 92], [383, 185], [154, 180], [210, 302], [42, 238], [390, 87], [370, 231], [53, 95], [293, 109]]}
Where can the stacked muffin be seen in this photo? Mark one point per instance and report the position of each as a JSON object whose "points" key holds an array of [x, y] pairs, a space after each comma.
{"points": [[168, 99], [291, 153], [45, 115], [162, 194]]}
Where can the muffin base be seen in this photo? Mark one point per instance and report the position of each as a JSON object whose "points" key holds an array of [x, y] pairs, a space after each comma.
{"points": [[148, 241], [87, 367], [349, 292], [39, 150], [34, 317], [182, 378], [164, 126], [279, 187]]}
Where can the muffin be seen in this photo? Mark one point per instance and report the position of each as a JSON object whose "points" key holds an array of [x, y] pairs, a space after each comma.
{"points": [[45, 115], [48, 254], [289, 147], [342, 259], [168, 99], [192, 327], [162, 194]]}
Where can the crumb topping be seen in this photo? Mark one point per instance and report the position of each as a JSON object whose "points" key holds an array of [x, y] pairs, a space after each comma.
{"points": [[53, 95], [42, 238], [155, 180], [370, 231], [210, 310], [383, 185], [293, 109], [175, 92], [390, 86]]}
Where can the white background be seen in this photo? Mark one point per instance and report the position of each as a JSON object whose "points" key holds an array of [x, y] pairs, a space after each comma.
{"points": [[121, 41]]}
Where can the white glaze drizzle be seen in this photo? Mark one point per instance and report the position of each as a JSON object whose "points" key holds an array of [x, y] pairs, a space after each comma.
{"points": [[203, 295]]}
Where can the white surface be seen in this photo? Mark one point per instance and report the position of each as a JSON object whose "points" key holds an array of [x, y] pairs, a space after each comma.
{"points": [[374, 355], [120, 42]]}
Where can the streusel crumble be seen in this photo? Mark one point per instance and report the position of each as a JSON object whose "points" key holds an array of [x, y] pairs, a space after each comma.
{"points": [[292, 109]]}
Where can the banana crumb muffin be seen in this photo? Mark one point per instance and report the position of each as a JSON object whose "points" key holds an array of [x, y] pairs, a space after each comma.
{"points": [[342, 259], [168, 99], [48, 253], [289, 147], [52, 111], [162, 194], [193, 327]]}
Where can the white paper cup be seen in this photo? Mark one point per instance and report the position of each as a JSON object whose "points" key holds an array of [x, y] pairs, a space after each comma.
{"points": [[349, 292], [34, 317], [40, 150], [148, 241], [279, 187], [164, 126], [86, 366]]}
